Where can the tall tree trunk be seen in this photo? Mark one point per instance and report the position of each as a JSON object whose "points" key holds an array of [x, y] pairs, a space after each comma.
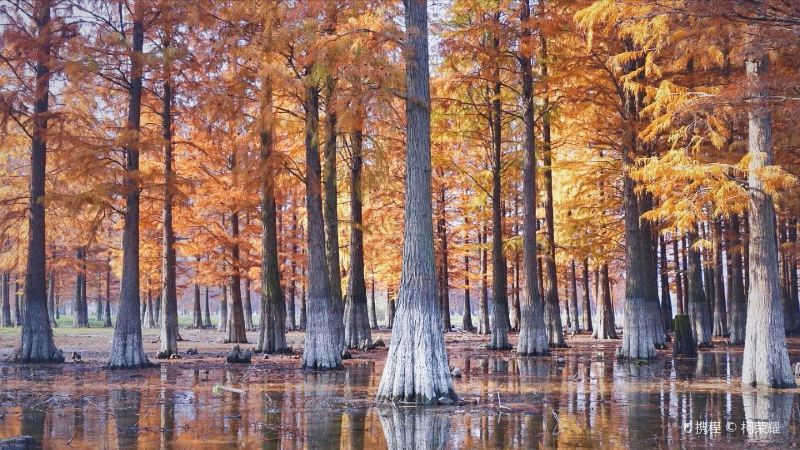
{"points": [[107, 315], [291, 322], [5, 292], [483, 301], [444, 279], [698, 303], [356, 315], [272, 328], [573, 299], [720, 311], [80, 317], [197, 310], [605, 327], [248, 306], [223, 310], [587, 302], [148, 309], [416, 368], [127, 350], [303, 316], [18, 303], [766, 359], [532, 331], [685, 277], [168, 336], [322, 349], [390, 309], [236, 328], [330, 214], [794, 298], [500, 320], [666, 298], [466, 324], [678, 278]]}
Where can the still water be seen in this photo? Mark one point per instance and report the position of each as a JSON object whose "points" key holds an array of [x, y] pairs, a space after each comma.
{"points": [[583, 401]]}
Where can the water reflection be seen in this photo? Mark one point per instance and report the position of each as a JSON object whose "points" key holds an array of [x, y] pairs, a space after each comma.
{"points": [[574, 401]]}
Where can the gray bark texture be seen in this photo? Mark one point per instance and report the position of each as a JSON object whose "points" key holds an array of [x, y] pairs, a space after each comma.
{"points": [[766, 359], [698, 303], [416, 368], [127, 350]]}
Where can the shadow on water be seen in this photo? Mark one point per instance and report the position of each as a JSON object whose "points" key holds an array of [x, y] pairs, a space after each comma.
{"points": [[575, 401]]}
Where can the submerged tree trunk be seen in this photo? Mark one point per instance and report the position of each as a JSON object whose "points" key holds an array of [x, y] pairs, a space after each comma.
{"points": [[666, 298], [416, 368], [330, 214], [272, 331], [322, 349], [500, 320], [587, 302], [766, 359], [720, 311], [532, 331], [698, 304], [357, 332], [168, 336], [605, 326], [36, 338], [127, 350], [483, 301]]}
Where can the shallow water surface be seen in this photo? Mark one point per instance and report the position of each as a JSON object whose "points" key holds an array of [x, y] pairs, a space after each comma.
{"points": [[586, 400]]}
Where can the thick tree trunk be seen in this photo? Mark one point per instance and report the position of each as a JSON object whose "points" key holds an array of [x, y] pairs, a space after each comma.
{"points": [[272, 331], [587, 302], [373, 317], [678, 278], [237, 333], [207, 313], [698, 304], [766, 359], [330, 214], [127, 350], [532, 331], [357, 333], [5, 292], [500, 320], [684, 339], [323, 346], [444, 278], [416, 368], [720, 311], [666, 298], [605, 326], [483, 301], [168, 336], [36, 338]]}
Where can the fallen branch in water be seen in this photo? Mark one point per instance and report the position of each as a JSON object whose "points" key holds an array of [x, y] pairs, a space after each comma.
{"points": [[218, 388]]}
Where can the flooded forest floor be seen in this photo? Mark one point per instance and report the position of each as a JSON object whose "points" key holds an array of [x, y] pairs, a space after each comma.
{"points": [[580, 396]]}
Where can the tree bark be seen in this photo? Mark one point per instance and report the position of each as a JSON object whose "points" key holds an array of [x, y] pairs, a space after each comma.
{"points": [[127, 350], [223, 310], [107, 315], [720, 311], [698, 304], [80, 314], [291, 322], [573, 299], [236, 328], [605, 327], [357, 333], [416, 368], [466, 324], [207, 313], [685, 277], [532, 331], [587, 302], [794, 298], [197, 310], [738, 298], [5, 292], [444, 279], [51, 300], [766, 359], [500, 320], [483, 301], [373, 317], [168, 336], [272, 331], [330, 214], [150, 320], [666, 298], [248, 306], [678, 278], [322, 350]]}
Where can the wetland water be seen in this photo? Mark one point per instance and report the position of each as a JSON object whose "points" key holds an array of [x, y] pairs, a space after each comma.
{"points": [[575, 400]]}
